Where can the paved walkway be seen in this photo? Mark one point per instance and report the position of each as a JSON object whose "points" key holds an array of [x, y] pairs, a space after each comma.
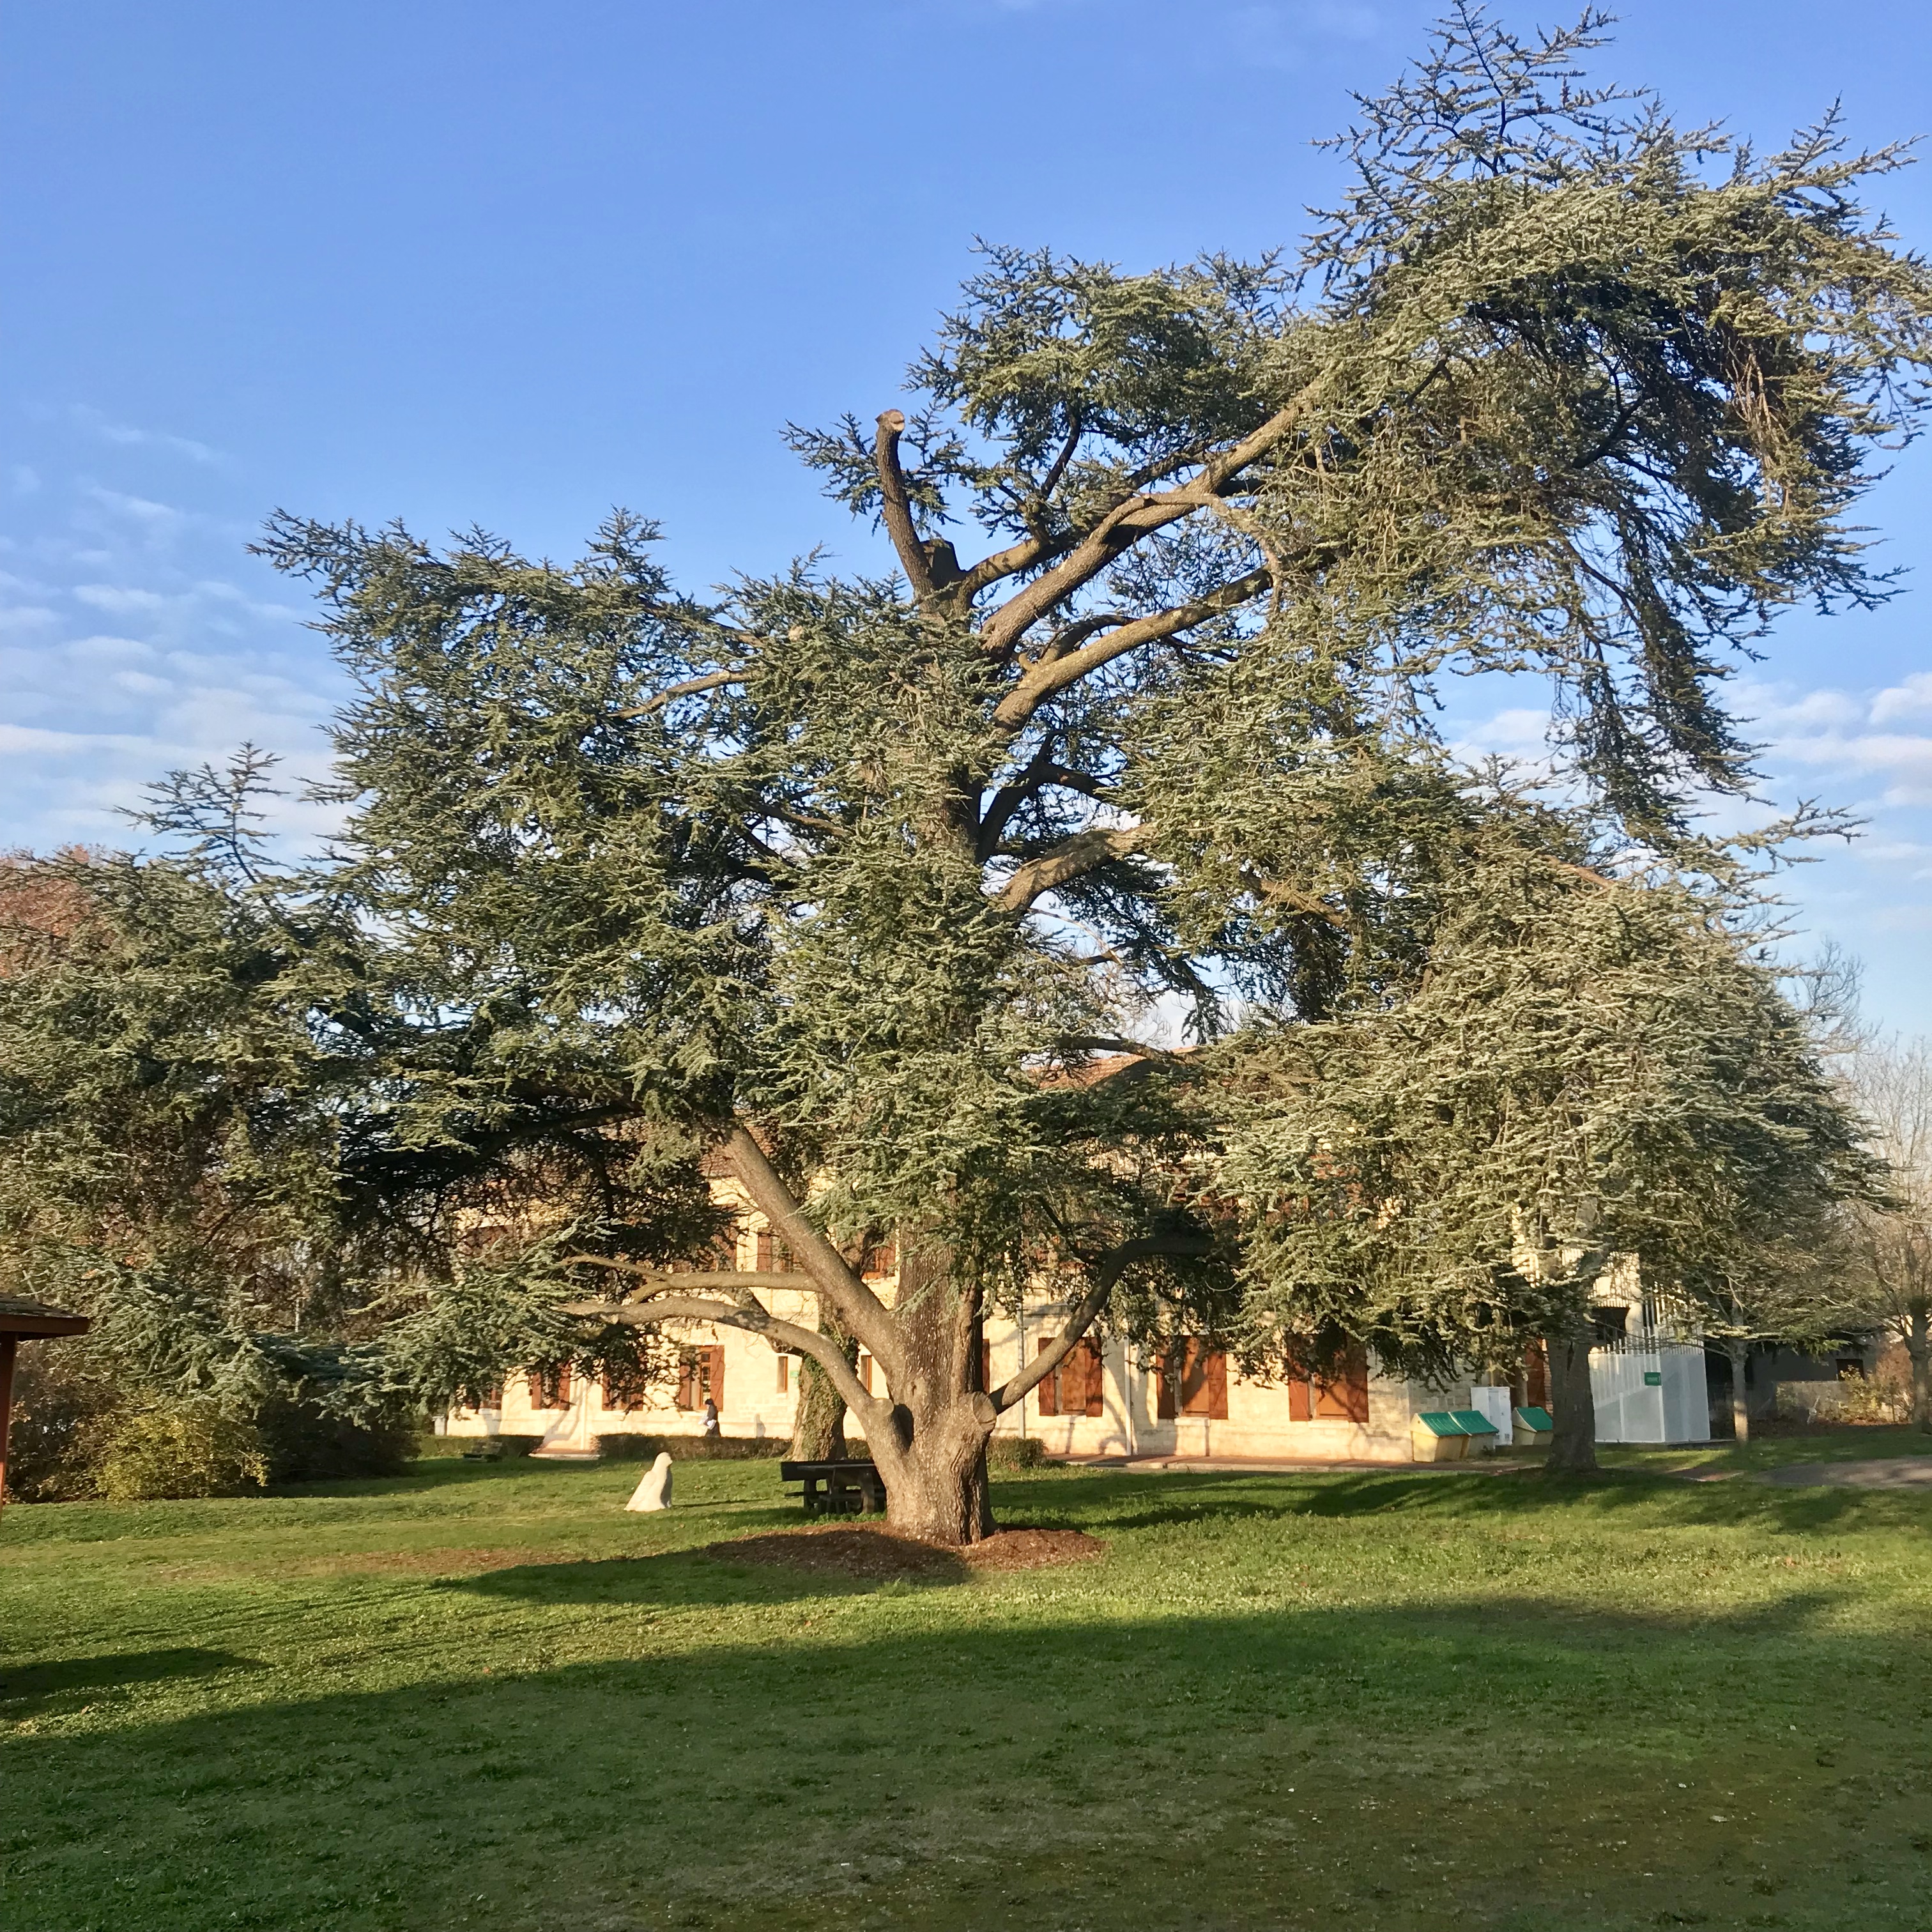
{"points": [[1257, 1465], [1878, 1472]]}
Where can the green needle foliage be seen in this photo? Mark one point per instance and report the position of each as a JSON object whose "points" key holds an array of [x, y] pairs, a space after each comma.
{"points": [[856, 882]]}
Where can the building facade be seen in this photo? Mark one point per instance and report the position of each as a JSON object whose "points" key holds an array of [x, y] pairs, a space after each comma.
{"points": [[1108, 1399]]}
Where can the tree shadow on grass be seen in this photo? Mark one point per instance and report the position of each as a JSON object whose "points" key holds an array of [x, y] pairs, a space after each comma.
{"points": [[712, 1575], [1383, 1763], [26, 1689], [1181, 1498]]}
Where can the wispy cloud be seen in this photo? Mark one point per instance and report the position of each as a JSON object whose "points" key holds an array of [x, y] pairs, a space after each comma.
{"points": [[126, 435]]}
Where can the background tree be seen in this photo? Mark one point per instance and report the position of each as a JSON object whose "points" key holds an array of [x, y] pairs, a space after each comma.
{"points": [[1891, 1081], [840, 877], [1589, 1068]]}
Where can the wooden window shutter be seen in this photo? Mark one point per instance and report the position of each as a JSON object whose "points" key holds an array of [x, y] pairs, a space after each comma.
{"points": [[865, 1371], [1215, 1376], [687, 1395], [1300, 1406], [784, 1375], [1046, 1394], [1536, 1375], [537, 1390], [985, 1365], [714, 1377], [1094, 1389], [1345, 1397], [1166, 1375], [563, 1386], [762, 1261]]}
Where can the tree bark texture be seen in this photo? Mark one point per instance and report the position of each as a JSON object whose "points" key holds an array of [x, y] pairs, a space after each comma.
{"points": [[1573, 1444], [1918, 1352], [1739, 1350], [933, 1455], [818, 1421]]}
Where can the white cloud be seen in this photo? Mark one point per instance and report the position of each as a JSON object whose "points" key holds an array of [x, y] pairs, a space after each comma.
{"points": [[1912, 699], [128, 437]]}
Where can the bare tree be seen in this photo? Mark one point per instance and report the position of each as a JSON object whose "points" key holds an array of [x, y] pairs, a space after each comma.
{"points": [[1892, 1083]]}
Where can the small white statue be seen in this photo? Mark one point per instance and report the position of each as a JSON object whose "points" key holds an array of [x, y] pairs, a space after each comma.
{"points": [[654, 1492]]}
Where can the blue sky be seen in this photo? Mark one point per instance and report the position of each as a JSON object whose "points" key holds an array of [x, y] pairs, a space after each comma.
{"points": [[511, 264]]}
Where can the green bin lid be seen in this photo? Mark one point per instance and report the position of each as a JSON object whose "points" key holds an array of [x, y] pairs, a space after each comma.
{"points": [[1473, 1422], [1535, 1418], [1439, 1422]]}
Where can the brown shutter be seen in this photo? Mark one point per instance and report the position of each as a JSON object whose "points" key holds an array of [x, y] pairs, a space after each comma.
{"points": [[1345, 1397], [563, 1386], [716, 1391], [1215, 1375], [1096, 1386], [865, 1371], [985, 1364], [1165, 1376], [763, 1259], [687, 1380], [784, 1375], [1047, 1394], [1536, 1375], [537, 1390], [1300, 1409]]}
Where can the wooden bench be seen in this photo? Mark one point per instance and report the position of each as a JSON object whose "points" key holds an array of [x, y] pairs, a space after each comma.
{"points": [[836, 1488]]}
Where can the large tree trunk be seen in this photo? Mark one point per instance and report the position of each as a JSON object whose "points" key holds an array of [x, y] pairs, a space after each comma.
{"points": [[1739, 1350], [818, 1421], [1572, 1445], [934, 1460], [1918, 1352]]}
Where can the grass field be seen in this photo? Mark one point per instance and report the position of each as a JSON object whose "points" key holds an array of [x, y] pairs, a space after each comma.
{"points": [[483, 1695]]}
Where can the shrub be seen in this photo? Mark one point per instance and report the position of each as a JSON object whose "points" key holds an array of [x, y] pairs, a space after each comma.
{"points": [[155, 1450], [486, 1448], [304, 1444], [628, 1447], [1015, 1452], [61, 1410]]}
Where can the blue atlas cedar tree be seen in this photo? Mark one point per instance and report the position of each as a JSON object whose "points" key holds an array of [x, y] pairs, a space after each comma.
{"points": [[834, 879]]}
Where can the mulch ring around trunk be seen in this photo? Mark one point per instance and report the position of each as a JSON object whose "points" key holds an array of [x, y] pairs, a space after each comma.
{"points": [[847, 1550]]}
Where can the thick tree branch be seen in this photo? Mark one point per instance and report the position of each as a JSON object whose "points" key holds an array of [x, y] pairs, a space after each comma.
{"points": [[866, 1318], [873, 1411], [895, 505], [715, 680], [1038, 776], [1107, 1270], [1082, 852], [1138, 516], [1049, 676]]}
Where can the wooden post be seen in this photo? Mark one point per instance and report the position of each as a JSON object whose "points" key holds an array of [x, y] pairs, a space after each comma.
{"points": [[9, 1350]]}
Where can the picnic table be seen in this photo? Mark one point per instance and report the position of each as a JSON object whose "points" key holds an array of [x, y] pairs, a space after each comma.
{"points": [[839, 1488]]}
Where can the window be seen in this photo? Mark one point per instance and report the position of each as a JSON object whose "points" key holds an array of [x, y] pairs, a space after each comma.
{"points": [[1536, 1375], [879, 1258], [700, 1374], [1191, 1379], [773, 1256], [623, 1389], [492, 1396], [1077, 1387], [550, 1387], [1343, 1396]]}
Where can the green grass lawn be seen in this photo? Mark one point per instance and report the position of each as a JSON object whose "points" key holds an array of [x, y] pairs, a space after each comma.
{"points": [[485, 1696]]}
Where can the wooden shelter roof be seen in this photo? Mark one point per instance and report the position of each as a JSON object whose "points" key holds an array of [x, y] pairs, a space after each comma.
{"points": [[36, 1321]]}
